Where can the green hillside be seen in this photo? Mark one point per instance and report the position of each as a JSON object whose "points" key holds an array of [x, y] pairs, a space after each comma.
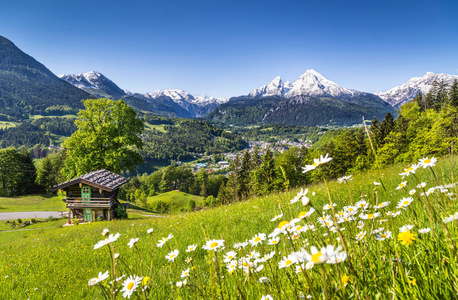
{"points": [[178, 200], [41, 263], [27, 87], [300, 111]]}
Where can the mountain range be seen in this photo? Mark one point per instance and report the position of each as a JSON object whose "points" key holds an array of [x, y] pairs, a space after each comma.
{"points": [[27, 87], [407, 91]]}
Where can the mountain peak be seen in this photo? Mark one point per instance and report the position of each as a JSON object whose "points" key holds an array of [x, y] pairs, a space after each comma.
{"points": [[407, 91], [95, 83], [311, 83]]}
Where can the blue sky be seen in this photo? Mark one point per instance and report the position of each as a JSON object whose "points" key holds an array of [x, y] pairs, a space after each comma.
{"points": [[226, 48]]}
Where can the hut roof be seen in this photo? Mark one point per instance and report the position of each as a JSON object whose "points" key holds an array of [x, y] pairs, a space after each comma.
{"points": [[101, 179]]}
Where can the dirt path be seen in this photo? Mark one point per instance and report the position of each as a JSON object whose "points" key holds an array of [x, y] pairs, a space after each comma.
{"points": [[31, 214]]}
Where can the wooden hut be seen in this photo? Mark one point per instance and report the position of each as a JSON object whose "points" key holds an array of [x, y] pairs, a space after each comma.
{"points": [[92, 196]]}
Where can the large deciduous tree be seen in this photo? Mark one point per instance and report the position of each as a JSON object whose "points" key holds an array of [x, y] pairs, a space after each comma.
{"points": [[107, 138]]}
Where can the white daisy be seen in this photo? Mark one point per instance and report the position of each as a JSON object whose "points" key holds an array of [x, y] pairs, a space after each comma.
{"points": [[130, 285], [172, 255], [99, 278]]}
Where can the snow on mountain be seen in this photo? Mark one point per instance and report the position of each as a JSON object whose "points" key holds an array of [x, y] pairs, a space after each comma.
{"points": [[204, 100], [274, 88], [182, 98], [407, 91], [94, 83], [311, 83], [198, 106]]}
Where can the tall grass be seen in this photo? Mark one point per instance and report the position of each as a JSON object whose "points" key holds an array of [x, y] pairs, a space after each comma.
{"points": [[59, 263]]}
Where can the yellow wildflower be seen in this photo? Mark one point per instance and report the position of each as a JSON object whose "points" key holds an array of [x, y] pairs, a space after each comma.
{"points": [[345, 279], [406, 238]]}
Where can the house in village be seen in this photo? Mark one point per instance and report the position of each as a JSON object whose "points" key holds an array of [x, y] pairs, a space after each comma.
{"points": [[223, 164], [93, 196]]}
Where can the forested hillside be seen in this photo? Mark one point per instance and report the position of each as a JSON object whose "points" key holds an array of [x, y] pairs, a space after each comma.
{"points": [[37, 132], [299, 110], [27, 87]]}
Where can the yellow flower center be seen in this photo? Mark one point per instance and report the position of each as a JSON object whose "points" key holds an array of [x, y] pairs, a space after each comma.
{"points": [[257, 239], [282, 224], [288, 262], [315, 164], [406, 202], [213, 245], [172, 256], [274, 241], [130, 286], [427, 161], [370, 216], [316, 257]]}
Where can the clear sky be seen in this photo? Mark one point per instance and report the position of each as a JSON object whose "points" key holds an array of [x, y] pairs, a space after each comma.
{"points": [[226, 47]]}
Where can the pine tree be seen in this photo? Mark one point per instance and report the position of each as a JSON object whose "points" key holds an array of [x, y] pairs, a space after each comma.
{"points": [[244, 177], [222, 193], [385, 127], [419, 99], [453, 94], [265, 175], [232, 186], [46, 177]]}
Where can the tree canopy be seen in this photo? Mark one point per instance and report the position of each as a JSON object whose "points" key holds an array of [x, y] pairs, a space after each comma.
{"points": [[108, 137]]}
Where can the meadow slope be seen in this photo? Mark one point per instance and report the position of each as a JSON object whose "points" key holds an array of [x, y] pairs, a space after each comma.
{"points": [[57, 263]]}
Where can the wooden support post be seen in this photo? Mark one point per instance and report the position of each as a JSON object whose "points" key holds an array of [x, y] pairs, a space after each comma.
{"points": [[93, 216], [69, 214], [108, 214], [81, 184]]}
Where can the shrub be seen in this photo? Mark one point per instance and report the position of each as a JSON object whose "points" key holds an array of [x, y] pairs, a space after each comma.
{"points": [[75, 221], [19, 220], [120, 212], [160, 206], [192, 204]]}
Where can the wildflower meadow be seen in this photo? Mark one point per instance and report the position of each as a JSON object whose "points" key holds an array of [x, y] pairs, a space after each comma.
{"points": [[384, 234]]}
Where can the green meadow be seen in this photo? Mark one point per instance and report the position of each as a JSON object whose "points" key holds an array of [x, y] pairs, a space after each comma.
{"points": [[32, 203], [373, 256], [176, 199]]}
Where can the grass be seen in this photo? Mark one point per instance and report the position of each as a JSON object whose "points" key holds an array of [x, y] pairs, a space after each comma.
{"points": [[32, 203], [58, 262], [179, 200], [159, 128], [34, 117], [7, 124]]}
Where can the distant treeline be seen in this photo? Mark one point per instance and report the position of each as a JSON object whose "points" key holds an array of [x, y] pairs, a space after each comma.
{"points": [[272, 133], [36, 132]]}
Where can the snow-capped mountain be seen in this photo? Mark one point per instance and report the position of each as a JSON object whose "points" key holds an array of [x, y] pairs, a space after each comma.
{"points": [[311, 83], [94, 83], [198, 106], [180, 96], [181, 102], [274, 88], [407, 91]]}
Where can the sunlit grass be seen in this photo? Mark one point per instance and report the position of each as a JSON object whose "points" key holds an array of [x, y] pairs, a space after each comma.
{"points": [[32, 203], [57, 263]]}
